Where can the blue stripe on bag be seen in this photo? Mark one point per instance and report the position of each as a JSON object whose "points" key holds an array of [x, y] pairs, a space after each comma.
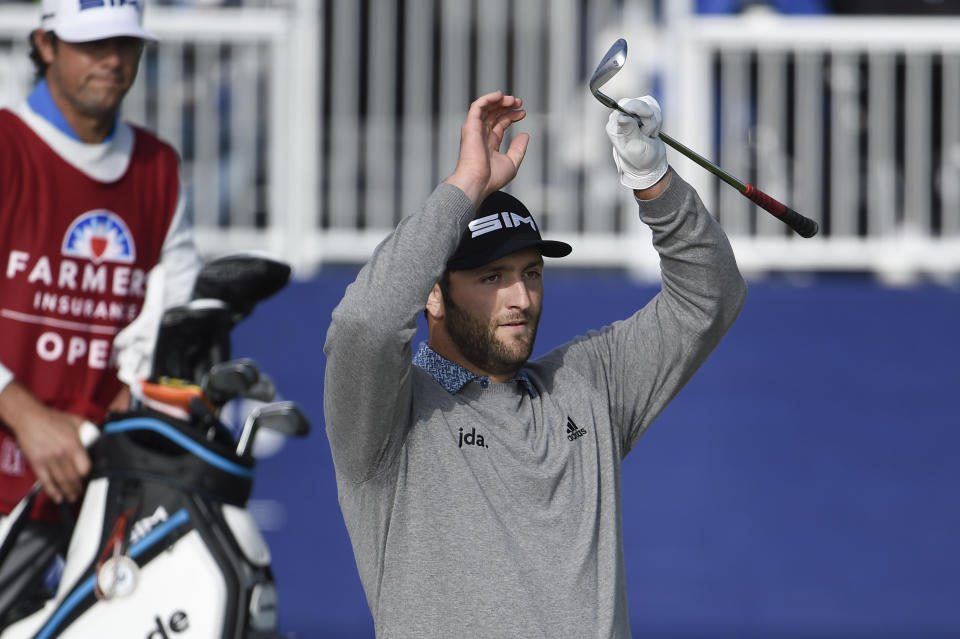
{"points": [[171, 433]]}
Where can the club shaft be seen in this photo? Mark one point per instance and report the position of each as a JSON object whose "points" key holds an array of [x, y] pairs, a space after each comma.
{"points": [[804, 226], [704, 162], [246, 433], [693, 155]]}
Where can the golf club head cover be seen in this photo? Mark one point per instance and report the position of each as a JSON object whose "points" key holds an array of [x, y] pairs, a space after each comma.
{"points": [[638, 151], [192, 338], [241, 280]]}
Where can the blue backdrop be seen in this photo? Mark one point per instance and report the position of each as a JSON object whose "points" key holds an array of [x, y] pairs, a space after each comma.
{"points": [[787, 7], [803, 484]]}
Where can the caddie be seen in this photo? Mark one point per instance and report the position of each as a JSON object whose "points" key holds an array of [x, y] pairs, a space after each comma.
{"points": [[92, 208]]}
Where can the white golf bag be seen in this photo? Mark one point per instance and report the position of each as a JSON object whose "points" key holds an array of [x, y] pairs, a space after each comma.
{"points": [[163, 547]]}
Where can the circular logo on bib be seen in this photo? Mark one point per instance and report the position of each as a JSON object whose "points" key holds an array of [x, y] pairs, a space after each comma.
{"points": [[100, 236]]}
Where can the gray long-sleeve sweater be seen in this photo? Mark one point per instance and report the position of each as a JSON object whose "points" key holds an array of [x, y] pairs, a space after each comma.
{"points": [[496, 512]]}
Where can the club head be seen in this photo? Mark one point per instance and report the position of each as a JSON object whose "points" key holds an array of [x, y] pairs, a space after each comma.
{"points": [[281, 417], [609, 66], [264, 390], [230, 379], [285, 418]]}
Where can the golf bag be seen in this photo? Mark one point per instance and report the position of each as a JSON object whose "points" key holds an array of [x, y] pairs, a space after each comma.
{"points": [[162, 546]]}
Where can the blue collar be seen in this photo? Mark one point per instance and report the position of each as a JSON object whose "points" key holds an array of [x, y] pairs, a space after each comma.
{"points": [[43, 105], [454, 377]]}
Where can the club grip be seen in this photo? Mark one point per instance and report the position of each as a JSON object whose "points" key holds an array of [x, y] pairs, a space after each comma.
{"points": [[804, 226]]}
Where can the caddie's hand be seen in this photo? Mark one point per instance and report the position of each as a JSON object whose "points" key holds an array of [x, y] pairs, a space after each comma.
{"points": [[50, 441], [51, 444], [121, 400], [639, 153], [482, 168]]}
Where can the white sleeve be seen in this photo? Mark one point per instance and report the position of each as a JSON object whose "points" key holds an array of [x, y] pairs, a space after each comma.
{"points": [[179, 258], [5, 377], [169, 284]]}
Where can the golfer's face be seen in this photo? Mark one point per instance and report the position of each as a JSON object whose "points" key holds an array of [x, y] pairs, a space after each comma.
{"points": [[493, 311]]}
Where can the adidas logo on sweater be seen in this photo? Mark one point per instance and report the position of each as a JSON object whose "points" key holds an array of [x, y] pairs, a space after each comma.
{"points": [[573, 432]]}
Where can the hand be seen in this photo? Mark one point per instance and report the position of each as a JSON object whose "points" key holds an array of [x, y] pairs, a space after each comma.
{"points": [[49, 439], [121, 401], [639, 153], [481, 167]]}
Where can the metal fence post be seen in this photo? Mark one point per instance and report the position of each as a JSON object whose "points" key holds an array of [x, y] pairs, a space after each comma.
{"points": [[299, 104]]}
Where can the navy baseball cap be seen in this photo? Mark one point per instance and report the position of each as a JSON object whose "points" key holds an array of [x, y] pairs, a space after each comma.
{"points": [[502, 225]]}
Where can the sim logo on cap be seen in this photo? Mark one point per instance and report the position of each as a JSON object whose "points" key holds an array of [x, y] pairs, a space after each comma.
{"points": [[497, 221]]}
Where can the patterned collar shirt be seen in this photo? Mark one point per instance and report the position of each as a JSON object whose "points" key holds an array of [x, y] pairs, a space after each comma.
{"points": [[454, 377]]}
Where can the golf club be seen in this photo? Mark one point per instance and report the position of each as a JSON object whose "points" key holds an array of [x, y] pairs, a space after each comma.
{"points": [[192, 337], [264, 390], [611, 64], [227, 380], [282, 417], [241, 280], [222, 383]]}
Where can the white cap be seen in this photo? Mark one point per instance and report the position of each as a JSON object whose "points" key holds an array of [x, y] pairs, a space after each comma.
{"points": [[88, 20]]}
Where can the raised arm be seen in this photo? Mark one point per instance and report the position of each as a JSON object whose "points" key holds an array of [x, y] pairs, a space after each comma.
{"points": [[644, 361]]}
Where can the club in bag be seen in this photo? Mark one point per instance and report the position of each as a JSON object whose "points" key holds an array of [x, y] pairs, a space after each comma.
{"points": [[282, 417]]}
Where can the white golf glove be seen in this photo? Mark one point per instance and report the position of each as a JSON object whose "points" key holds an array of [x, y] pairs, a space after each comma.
{"points": [[639, 153]]}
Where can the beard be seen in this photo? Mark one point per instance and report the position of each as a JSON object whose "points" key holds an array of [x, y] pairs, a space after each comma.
{"points": [[480, 345]]}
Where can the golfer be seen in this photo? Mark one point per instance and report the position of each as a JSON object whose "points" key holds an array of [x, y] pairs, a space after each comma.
{"points": [[481, 489]]}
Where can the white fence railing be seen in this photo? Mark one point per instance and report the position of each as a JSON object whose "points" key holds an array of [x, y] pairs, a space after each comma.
{"points": [[854, 121], [309, 129]]}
